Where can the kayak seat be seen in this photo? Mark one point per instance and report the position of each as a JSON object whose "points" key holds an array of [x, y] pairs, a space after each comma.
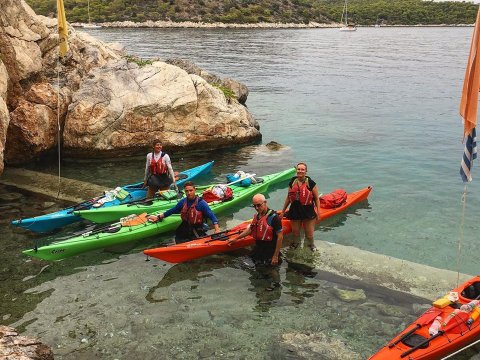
{"points": [[414, 340], [472, 292]]}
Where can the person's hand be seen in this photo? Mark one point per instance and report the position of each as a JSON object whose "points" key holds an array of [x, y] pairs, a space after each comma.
{"points": [[155, 218], [231, 241], [152, 218], [144, 184], [274, 259]]}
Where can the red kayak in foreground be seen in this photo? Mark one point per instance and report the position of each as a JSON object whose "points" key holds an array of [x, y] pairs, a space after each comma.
{"points": [[455, 328], [217, 243]]}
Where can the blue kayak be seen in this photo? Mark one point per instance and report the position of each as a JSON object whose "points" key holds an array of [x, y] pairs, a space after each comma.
{"points": [[127, 194]]}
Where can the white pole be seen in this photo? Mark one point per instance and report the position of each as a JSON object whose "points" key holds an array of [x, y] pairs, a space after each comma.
{"points": [[459, 351]]}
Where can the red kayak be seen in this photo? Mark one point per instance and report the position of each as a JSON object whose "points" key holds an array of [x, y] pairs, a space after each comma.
{"points": [[441, 330], [217, 243]]}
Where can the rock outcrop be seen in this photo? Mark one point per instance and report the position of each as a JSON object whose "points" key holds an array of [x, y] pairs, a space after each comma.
{"points": [[13, 346], [106, 103]]}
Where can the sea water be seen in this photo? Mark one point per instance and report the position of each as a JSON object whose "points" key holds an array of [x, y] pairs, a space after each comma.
{"points": [[376, 107]]}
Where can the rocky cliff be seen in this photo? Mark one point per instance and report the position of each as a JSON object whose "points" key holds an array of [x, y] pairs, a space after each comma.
{"points": [[101, 102]]}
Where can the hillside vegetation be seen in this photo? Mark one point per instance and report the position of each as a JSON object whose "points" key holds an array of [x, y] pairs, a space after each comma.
{"points": [[363, 12]]}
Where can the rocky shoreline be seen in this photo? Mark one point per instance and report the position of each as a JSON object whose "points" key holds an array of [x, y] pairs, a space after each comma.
{"points": [[103, 102], [13, 346], [261, 25]]}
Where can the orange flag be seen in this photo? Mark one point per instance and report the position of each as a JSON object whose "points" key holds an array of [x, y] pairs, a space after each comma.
{"points": [[62, 28]]}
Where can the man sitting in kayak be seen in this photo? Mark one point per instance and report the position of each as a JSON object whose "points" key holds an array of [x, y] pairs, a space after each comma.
{"points": [[193, 211], [266, 229]]}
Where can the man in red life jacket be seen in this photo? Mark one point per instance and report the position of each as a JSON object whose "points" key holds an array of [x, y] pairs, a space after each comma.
{"points": [[159, 173], [266, 229], [194, 212]]}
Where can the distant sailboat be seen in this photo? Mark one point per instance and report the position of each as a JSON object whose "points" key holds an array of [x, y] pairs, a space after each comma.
{"points": [[90, 25], [346, 26]]}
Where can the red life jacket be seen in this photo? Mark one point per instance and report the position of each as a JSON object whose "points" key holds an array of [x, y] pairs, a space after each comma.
{"points": [[191, 214], [261, 230], [158, 167], [300, 192]]}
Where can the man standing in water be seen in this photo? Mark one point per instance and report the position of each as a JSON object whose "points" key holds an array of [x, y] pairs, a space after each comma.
{"points": [[193, 211], [266, 229], [159, 173]]}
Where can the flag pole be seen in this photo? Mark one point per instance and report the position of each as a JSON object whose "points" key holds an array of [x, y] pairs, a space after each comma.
{"points": [[62, 51]]}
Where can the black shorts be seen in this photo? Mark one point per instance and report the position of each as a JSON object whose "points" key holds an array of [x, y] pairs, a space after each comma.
{"points": [[159, 182], [298, 211]]}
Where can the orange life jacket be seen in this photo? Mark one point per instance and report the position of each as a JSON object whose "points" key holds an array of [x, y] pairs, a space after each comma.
{"points": [[158, 167], [190, 214], [261, 230], [300, 192]]}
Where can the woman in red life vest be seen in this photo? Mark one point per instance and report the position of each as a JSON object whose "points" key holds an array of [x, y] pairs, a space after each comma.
{"points": [[304, 206], [194, 212], [266, 229], [159, 173]]}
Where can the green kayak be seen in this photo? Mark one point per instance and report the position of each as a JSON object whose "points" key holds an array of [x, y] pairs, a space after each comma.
{"points": [[114, 213], [137, 227]]}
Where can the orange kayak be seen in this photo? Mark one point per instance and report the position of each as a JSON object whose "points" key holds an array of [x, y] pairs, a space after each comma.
{"points": [[217, 243], [455, 328]]}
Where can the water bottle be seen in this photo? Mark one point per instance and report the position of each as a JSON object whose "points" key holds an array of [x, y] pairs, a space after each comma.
{"points": [[474, 315], [435, 327]]}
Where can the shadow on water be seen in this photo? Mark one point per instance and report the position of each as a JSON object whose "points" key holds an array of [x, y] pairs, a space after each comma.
{"points": [[267, 282]]}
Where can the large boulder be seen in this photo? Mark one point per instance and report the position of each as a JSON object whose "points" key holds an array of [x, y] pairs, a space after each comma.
{"points": [[33, 127], [123, 106]]}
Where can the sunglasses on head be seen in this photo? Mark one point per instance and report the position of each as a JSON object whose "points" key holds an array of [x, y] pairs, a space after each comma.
{"points": [[256, 206]]}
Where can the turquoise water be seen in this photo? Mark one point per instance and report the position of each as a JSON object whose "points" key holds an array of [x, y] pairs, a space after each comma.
{"points": [[375, 107]]}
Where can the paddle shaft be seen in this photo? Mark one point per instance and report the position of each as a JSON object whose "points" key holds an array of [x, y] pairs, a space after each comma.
{"points": [[225, 236]]}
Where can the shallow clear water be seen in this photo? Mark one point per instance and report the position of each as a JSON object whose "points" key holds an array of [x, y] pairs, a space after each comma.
{"points": [[375, 107]]}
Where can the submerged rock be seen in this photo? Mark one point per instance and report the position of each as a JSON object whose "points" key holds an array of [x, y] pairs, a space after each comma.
{"points": [[273, 145], [13, 346], [350, 295], [312, 346]]}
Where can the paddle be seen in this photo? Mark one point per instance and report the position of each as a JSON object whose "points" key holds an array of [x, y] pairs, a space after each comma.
{"points": [[221, 236], [108, 228], [83, 204], [426, 319], [460, 319]]}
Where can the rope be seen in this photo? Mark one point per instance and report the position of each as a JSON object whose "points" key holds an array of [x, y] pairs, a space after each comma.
{"points": [[459, 351], [58, 125], [460, 239]]}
